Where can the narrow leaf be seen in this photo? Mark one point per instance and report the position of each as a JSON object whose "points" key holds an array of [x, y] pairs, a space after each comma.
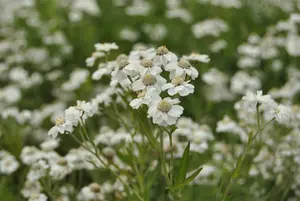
{"points": [[183, 167], [188, 180]]}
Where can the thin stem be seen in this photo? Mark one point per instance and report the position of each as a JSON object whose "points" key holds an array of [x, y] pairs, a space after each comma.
{"points": [[163, 159], [107, 167], [172, 158]]}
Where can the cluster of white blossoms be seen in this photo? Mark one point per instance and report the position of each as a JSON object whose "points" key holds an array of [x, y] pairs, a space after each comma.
{"points": [[73, 116], [157, 76]]}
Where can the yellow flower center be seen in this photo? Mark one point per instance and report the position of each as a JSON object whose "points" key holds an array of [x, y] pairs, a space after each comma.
{"points": [[149, 79], [59, 121], [62, 162], [162, 50], [184, 63], [164, 106], [177, 81], [147, 63], [95, 187], [141, 94]]}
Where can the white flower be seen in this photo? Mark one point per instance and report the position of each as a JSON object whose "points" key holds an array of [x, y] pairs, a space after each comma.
{"points": [[49, 144], [30, 155], [73, 115], [38, 197], [104, 69], [148, 66], [282, 113], [37, 171], [148, 81], [178, 86], [163, 56], [197, 57], [144, 97], [120, 74], [165, 112], [31, 188], [106, 47], [87, 108], [91, 192], [59, 169], [8, 165], [258, 98], [181, 68], [61, 126], [90, 61], [141, 53]]}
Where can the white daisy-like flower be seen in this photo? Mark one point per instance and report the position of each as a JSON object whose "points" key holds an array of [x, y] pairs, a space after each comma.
{"points": [[38, 197], [37, 170], [86, 108], [60, 168], [30, 155], [163, 56], [144, 97], [61, 126], [147, 65], [197, 57], [8, 165], [31, 188], [91, 192], [119, 73], [49, 144], [179, 86], [165, 112], [281, 113], [258, 98], [106, 47], [148, 81], [181, 68]]}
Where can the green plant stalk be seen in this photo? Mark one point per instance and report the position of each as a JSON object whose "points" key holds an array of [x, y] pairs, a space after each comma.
{"points": [[107, 167]]}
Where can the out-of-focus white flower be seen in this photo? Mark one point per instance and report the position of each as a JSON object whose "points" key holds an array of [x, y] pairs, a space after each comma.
{"points": [[77, 77], [37, 170], [165, 112], [31, 188], [49, 144], [281, 113], [227, 125], [106, 47], [91, 192], [181, 68], [30, 155], [59, 168], [219, 45], [258, 98], [8, 165], [156, 32], [129, 34], [180, 13], [90, 61], [178, 86], [197, 57], [38, 197], [210, 27]]}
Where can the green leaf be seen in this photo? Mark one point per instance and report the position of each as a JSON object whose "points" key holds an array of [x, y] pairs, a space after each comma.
{"points": [[183, 167], [187, 181]]}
